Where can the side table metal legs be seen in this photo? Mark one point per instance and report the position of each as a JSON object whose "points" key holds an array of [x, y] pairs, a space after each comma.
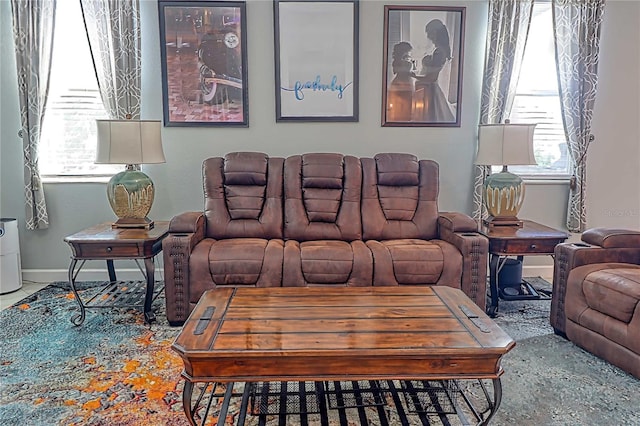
{"points": [[114, 293], [149, 315], [493, 284], [496, 262], [79, 318]]}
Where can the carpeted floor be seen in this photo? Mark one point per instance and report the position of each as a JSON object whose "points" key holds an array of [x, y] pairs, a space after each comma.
{"points": [[550, 381], [115, 370]]}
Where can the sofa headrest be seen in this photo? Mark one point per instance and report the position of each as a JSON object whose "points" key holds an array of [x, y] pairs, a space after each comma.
{"points": [[324, 171], [245, 168], [397, 169]]}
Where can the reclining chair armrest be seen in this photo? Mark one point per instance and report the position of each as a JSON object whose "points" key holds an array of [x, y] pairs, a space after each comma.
{"points": [[462, 231], [612, 238], [185, 231], [571, 255]]}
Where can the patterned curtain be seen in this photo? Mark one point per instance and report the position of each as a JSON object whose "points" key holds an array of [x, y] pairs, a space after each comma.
{"points": [[576, 27], [33, 23], [113, 30], [507, 31]]}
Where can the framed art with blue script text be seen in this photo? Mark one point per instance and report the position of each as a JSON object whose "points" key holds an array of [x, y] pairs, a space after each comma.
{"points": [[316, 49], [422, 66]]}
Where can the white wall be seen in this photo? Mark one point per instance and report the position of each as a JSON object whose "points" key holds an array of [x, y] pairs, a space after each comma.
{"points": [[178, 182], [613, 162]]}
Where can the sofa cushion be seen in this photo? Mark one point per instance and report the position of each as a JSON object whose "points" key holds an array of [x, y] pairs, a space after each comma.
{"points": [[397, 170], [414, 261], [399, 197], [614, 292], [327, 262], [245, 168], [322, 197], [235, 262], [243, 196]]}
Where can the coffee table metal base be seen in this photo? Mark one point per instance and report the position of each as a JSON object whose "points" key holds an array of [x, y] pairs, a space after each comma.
{"points": [[385, 402]]}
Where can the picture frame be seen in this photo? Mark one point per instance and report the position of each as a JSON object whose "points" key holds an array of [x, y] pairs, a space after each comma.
{"points": [[203, 50], [422, 66], [316, 60]]}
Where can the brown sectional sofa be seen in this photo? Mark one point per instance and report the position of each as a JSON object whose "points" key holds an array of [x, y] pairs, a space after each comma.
{"points": [[596, 295], [320, 219]]}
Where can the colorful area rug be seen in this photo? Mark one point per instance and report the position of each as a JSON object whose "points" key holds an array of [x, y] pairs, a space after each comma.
{"points": [[111, 370], [116, 370]]}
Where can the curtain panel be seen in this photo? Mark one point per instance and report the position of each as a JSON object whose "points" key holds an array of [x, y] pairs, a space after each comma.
{"points": [[576, 27], [33, 24], [113, 30], [507, 30]]}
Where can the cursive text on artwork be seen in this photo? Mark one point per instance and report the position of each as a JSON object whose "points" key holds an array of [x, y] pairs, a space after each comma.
{"points": [[318, 86]]}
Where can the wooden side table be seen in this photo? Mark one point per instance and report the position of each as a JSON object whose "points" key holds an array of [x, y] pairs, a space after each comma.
{"points": [[529, 240], [101, 242]]}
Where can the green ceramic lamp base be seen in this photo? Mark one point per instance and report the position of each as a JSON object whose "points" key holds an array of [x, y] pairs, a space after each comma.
{"points": [[130, 194], [503, 197]]}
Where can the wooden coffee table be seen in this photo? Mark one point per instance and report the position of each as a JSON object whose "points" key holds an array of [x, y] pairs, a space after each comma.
{"points": [[319, 334]]}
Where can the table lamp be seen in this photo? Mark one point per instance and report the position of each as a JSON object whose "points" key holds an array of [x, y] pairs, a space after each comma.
{"points": [[503, 193], [130, 192]]}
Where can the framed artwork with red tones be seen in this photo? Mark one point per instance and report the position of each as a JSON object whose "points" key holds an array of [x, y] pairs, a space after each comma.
{"points": [[203, 49], [422, 66]]}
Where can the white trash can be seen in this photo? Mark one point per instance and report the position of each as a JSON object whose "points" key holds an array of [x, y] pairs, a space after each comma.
{"points": [[10, 269]]}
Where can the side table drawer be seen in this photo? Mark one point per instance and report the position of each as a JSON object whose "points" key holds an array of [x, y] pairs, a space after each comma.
{"points": [[523, 247], [106, 250]]}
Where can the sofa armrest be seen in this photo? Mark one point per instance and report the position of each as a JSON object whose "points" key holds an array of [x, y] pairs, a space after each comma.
{"points": [[569, 256], [460, 230], [456, 222], [185, 231], [189, 222]]}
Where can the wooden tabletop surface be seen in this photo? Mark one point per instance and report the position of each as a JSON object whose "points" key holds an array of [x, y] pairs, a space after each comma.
{"points": [[529, 229], [104, 232], [104, 242], [320, 333]]}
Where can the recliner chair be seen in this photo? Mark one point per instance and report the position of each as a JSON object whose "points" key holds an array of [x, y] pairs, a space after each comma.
{"points": [[596, 295]]}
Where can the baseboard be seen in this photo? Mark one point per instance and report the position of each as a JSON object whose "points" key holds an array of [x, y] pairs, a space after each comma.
{"points": [[49, 275]]}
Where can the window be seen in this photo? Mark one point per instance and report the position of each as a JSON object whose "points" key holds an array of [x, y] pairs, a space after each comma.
{"points": [[68, 141], [537, 99]]}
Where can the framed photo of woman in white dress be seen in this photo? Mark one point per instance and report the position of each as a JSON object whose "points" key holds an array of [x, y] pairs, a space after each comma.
{"points": [[422, 70]]}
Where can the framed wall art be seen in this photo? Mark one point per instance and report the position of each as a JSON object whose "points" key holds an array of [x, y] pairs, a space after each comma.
{"points": [[422, 69], [316, 60], [203, 49]]}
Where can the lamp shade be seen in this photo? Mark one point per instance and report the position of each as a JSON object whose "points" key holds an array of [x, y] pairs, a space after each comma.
{"points": [[130, 192], [505, 144], [129, 142]]}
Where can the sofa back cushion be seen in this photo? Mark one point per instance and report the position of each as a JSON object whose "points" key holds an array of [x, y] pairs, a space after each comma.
{"points": [[243, 196], [399, 197], [322, 197]]}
